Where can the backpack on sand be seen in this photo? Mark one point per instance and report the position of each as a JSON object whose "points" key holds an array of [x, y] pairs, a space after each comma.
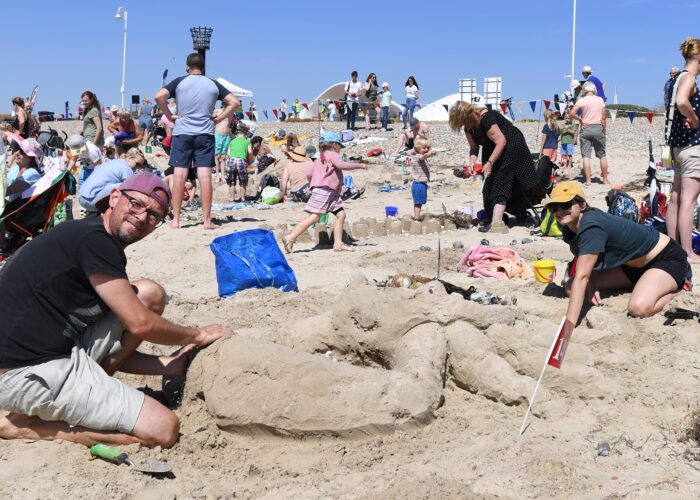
{"points": [[622, 205], [549, 225]]}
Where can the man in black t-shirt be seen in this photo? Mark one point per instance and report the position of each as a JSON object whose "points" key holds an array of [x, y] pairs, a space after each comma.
{"points": [[71, 319]]}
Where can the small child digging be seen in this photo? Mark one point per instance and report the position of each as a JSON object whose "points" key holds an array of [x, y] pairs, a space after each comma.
{"points": [[326, 186], [421, 175]]}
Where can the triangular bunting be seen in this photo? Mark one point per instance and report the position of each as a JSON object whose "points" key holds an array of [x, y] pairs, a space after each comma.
{"points": [[613, 114], [265, 113], [274, 112], [337, 105], [519, 106], [504, 106], [249, 115], [533, 104], [418, 106], [489, 107], [306, 106], [546, 103], [631, 115], [649, 115], [561, 106], [445, 106]]}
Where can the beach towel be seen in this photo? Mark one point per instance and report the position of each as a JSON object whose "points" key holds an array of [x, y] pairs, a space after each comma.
{"points": [[493, 262]]}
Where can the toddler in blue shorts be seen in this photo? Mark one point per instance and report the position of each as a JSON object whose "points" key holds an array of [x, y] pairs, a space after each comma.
{"points": [[421, 175]]}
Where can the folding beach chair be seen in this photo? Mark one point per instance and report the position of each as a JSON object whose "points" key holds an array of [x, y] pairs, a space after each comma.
{"points": [[33, 213]]}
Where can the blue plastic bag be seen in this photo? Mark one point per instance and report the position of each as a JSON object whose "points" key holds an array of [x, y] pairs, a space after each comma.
{"points": [[251, 259]]}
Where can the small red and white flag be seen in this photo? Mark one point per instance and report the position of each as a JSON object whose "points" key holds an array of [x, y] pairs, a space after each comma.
{"points": [[555, 357]]}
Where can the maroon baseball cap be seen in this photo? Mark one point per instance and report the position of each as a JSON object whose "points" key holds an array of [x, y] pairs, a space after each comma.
{"points": [[144, 183]]}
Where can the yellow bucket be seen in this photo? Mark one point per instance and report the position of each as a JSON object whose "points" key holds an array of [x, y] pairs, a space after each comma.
{"points": [[545, 270]]}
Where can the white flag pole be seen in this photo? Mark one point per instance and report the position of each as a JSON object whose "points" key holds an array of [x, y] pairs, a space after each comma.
{"points": [[546, 362]]}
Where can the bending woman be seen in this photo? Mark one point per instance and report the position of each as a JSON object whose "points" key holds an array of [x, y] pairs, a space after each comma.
{"points": [[613, 253], [506, 160]]}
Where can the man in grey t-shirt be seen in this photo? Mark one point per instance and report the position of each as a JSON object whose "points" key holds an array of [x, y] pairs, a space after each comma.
{"points": [[193, 135]]}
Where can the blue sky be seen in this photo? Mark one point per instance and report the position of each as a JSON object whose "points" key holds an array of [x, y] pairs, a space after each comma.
{"points": [[277, 50]]}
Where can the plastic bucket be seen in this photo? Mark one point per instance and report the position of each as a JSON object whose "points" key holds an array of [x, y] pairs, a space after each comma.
{"points": [[391, 211], [545, 270]]}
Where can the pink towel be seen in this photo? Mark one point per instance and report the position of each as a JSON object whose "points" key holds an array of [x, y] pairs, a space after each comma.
{"points": [[493, 262]]}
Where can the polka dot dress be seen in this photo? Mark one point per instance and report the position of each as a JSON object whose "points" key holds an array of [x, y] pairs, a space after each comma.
{"points": [[682, 136]]}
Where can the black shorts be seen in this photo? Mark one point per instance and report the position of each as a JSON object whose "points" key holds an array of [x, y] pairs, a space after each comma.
{"points": [[191, 173], [671, 259]]}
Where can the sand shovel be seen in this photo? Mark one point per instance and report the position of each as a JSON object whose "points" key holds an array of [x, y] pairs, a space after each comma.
{"points": [[115, 456]]}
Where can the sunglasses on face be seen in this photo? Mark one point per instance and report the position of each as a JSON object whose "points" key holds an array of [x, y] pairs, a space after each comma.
{"points": [[566, 205]]}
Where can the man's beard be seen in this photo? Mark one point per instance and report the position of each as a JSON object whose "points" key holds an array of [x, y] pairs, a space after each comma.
{"points": [[125, 239]]}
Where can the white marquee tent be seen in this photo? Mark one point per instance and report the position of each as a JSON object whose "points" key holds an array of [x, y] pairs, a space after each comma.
{"points": [[336, 92], [234, 89]]}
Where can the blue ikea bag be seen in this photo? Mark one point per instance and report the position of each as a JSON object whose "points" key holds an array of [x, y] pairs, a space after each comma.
{"points": [[251, 259]]}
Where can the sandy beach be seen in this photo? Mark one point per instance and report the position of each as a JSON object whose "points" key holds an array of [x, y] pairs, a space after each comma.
{"points": [[630, 383]]}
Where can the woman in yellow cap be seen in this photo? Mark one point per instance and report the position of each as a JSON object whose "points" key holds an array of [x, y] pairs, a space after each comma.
{"points": [[612, 253]]}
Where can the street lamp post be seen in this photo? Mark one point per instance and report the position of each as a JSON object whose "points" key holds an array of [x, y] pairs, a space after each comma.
{"points": [[118, 16], [201, 36]]}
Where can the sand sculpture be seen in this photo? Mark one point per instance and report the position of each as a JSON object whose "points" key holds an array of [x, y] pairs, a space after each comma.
{"points": [[377, 361]]}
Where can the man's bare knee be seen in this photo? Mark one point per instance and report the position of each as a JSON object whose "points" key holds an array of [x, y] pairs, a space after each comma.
{"points": [[157, 425], [151, 294]]}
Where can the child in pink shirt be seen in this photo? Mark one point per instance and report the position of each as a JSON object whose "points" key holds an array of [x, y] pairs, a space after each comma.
{"points": [[326, 186]]}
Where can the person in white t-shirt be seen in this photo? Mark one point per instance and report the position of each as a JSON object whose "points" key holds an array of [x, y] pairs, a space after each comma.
{"points": [[352, 92], [412, 95], [283, 110]]}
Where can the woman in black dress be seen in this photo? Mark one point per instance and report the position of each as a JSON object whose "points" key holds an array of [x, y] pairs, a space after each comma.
{"points": [[506, 160]]}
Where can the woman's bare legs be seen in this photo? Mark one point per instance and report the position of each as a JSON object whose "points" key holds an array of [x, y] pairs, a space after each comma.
{"points": [[498, 210], [690, 188], [652, 292], [672, 209]]}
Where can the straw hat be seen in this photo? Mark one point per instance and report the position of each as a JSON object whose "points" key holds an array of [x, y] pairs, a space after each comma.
{"points": [[298, 154]]}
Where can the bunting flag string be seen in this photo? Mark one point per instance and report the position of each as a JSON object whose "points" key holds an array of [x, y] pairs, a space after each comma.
{"points": [[274, 112], [649, 115], [446, 108], [265, 113], [533, 105], [631, 115], [546, 103], [613, 114], [504, 106]]}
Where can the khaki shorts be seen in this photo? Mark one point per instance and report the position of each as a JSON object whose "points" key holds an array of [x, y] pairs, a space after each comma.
{"points": [[686, 161], [76, 389], [592, 137]]}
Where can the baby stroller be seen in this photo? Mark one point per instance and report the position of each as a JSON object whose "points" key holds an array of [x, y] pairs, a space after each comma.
{"points": [[523, 203], [26, 218], [158, 133]]}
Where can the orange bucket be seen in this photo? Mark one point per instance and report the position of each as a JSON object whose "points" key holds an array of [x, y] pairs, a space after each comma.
{"points": [[545, 270]]}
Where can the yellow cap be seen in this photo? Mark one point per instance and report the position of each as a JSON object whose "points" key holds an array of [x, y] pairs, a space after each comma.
{"points": [[566, 191]]}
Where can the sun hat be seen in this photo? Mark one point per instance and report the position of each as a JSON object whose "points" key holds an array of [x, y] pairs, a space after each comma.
{"points": [[586, 69], [298, 154], [75, 142], [327, 137], [575, 84], [385, 84], [144, 183], [31, 148], [566, 191], [114, 108], [312, 152]]}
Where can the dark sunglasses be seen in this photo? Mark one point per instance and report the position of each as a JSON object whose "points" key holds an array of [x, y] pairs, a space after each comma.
{"points": [[566, 205]]}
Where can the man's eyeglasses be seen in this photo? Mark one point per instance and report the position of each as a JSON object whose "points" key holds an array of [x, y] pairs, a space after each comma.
{"points": [[566, 205], [138, 208]]}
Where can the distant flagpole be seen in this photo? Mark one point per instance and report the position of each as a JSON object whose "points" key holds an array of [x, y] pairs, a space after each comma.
{"points": [[615, 96], [573, 43]]}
